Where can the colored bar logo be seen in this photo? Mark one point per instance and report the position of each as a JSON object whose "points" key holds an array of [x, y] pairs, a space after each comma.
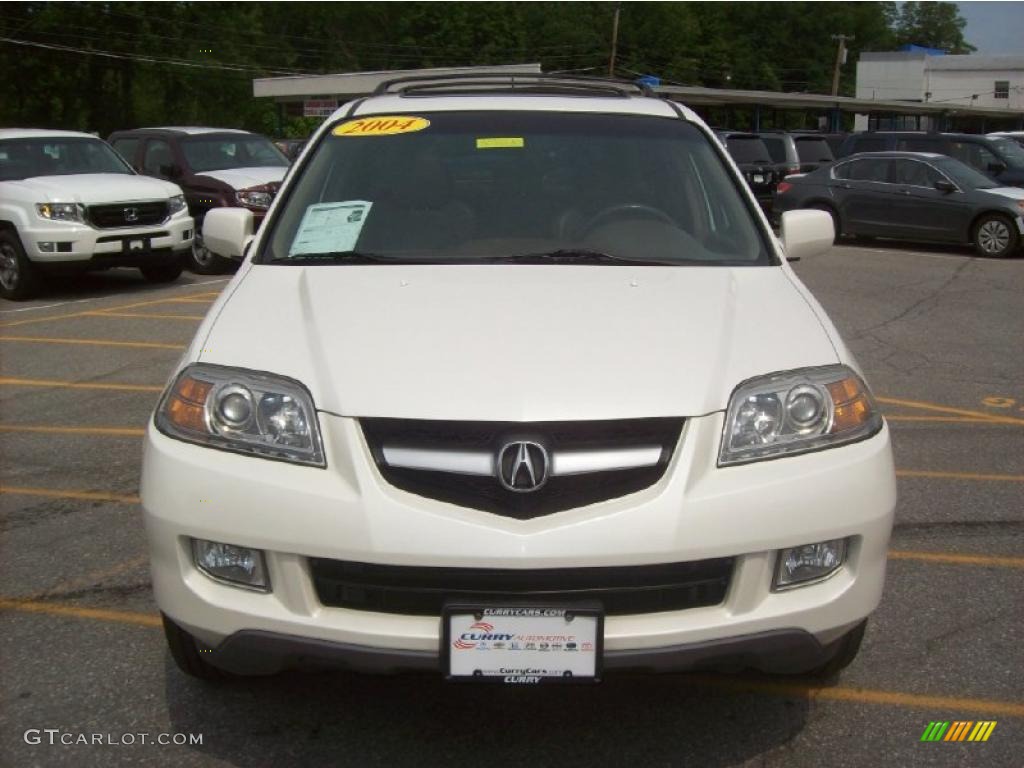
{"points": [[959, 730]]}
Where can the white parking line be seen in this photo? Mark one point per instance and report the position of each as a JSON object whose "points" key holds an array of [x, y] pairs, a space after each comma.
{"points": [[99, 298]]}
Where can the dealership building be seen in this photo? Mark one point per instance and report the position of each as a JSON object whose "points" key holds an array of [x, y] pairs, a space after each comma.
{"points": [[992, 84]]}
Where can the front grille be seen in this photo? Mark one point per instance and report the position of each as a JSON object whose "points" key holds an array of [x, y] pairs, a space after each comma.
{"points": [[487, 494], [127, 214], [621, 590]]}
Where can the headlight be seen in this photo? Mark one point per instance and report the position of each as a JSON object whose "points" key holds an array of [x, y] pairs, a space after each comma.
{"points": [[176, 204], [61, 211], [243, 411], [255, 197], [797, 411]]}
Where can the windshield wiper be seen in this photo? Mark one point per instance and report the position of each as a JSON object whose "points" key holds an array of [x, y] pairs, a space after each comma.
{"points": [[573, 256], [336, 257]]}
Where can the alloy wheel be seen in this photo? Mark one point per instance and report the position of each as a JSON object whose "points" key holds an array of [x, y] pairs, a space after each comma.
{"points": [[9, 268], [993, 236]]}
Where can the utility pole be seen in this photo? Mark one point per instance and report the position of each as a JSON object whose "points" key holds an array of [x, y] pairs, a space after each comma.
{"points": [[840, 60], [615, 41]]}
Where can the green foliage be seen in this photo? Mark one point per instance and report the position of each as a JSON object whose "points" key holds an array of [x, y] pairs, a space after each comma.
{"points": [[180, 63], [934, 25]]}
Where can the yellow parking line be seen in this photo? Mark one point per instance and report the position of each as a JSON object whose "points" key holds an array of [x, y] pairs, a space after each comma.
{"points": [[8, 381], [864, 696], [59, 609], [190, 301], [93, 342], [955, 559], [204, 297], [100, 313], [106, 431], [943, 419], [946, 409], [19, 490], [959, 475]]}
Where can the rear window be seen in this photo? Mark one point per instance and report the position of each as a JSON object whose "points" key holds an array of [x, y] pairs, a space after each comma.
{"points": [[747, 149], [776, 148], [814, 150], [455, 187]]}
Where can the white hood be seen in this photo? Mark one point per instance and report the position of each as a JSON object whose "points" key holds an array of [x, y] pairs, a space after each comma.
{"points": [[518, 342], [1014, 193], [243, 178], [98, 188]]}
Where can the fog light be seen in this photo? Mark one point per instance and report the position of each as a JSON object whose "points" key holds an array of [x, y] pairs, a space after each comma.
{"points": [[226, 562], [47, 247], [811, 562]]}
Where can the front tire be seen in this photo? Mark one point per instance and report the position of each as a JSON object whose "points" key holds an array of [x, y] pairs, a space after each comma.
{"points": [[161, 273], [995, 236], [202, 260], [186, 653], [19, 279], [847, 648]]}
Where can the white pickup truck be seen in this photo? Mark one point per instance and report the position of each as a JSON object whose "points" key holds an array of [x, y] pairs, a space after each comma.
{"points": [[68, 202]]}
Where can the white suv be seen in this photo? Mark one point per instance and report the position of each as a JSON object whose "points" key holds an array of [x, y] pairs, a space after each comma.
{"points": [[69, 202], [515, 384]]}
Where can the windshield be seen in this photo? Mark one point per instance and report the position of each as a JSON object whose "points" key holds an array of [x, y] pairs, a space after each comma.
{"points": [[464, 186], [747, 149], [218, 153], [57, 156], [963, 175], [1011, 152]]}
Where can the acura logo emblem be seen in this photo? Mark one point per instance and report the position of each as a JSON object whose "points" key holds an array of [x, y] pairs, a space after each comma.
{"points": [[523, 466], [131, 214]]}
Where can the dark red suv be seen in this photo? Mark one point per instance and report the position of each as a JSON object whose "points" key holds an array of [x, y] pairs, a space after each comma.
{"points": [[215, 167]]}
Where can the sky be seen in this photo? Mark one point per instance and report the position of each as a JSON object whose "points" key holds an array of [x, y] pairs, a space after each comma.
{"points": [[994, 28]]}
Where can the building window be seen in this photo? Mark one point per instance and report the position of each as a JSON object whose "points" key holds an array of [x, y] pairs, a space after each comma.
{"points": [[1002, 90]]}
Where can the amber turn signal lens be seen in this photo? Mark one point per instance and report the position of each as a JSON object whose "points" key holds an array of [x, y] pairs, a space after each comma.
{"points": [[852, 407], [187, 406]]}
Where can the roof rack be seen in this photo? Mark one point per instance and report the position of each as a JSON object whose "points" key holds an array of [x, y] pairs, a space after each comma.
{"points": [[512, 82]]}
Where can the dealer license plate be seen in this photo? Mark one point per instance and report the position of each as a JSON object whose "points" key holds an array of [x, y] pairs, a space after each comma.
{"points": [[522, 644]]}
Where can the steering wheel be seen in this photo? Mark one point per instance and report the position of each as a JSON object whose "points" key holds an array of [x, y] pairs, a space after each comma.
{"points": [[634, 209]]}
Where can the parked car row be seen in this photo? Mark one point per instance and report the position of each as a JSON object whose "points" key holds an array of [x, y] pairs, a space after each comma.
{"points": [[916, 196], [70, 202]]}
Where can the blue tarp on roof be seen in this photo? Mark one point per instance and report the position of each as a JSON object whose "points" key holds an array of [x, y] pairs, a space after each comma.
{"points": [[910, 48]]}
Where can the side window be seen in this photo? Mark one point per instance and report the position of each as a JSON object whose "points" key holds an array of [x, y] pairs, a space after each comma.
{"points": [[919, 144], [158, 154], [974, 155], [910, 172], [842, 171], [127, 148], [870, 170], [869, 144]]}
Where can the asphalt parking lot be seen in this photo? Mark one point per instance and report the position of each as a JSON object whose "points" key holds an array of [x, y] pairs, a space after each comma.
{"points": [[941, 337]]}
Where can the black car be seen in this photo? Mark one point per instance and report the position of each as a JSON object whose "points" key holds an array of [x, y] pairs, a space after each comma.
{"points": [[911, 196], [755, 163], [998, 157]]}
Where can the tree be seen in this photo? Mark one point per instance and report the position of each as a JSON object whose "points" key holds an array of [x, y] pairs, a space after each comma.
{"points": [[934, 25]]}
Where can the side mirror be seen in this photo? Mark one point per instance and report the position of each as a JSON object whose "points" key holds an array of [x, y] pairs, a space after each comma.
{"points": [[171, 171], [996, 167], [945, 185], [806, 233], [227, 232]]}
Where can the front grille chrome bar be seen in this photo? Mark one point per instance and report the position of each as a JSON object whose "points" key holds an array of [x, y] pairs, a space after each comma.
{"points": [[483, 464]]}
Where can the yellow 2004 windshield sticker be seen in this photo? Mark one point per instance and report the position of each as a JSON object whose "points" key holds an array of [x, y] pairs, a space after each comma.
{"points": [[386, 125]]}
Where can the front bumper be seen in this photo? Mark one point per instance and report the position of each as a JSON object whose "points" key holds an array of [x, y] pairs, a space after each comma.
{"points": [[347, 512], [78, 243]]}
